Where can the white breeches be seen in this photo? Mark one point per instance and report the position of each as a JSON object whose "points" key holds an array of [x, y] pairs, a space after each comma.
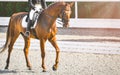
{"points": [[38, 8]]}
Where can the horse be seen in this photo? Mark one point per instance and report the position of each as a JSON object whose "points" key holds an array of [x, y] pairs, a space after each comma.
{"points": [[44, 30]]}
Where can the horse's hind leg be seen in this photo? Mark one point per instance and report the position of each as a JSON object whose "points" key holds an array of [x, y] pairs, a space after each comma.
{"points": [[13, 39], [54, 43], [26, 51]]}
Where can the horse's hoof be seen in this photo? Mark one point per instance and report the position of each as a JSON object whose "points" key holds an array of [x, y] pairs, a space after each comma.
{"points": [[29, 68], [6, 67], [44, 70], [54, 68]]}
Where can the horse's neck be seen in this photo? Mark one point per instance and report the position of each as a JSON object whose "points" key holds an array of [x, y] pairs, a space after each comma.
{"points": [[53, 13], [46, 20], [55, 9], [50, 15], [51, 19]]}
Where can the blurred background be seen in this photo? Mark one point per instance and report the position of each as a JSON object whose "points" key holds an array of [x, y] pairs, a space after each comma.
{"points": [[85, 9]]}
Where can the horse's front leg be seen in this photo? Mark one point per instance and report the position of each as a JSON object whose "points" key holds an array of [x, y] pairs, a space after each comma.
{"points": [[54, 43], [26, 51], [42, 45]]}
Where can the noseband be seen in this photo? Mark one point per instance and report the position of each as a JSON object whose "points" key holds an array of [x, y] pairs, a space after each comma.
{"points": [[63, 19], [64, 14]]}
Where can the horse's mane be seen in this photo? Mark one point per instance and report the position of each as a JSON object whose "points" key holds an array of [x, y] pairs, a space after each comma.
{"points": [[53, 5]]}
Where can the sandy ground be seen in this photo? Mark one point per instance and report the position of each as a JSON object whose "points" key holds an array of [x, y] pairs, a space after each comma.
{"points": [[71, 63]]}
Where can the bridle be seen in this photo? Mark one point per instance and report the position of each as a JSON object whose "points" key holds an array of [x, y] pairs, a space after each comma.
{"points": [[63, 14]]}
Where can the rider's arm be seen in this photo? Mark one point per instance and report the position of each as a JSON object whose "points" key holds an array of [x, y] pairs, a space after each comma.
{"points": [[43, 4], [31, 4]]}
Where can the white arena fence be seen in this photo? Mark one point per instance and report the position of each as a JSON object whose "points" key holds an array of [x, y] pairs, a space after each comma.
{"points": [[76, 22]]}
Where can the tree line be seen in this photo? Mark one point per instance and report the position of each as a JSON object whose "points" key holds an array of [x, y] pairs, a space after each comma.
{"points": [[8, 8]]}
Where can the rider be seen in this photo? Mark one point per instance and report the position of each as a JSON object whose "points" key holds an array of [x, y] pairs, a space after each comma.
{"points": [[35, 6]]}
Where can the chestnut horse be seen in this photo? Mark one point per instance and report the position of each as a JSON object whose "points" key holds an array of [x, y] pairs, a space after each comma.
{"points": [[44, 30]]}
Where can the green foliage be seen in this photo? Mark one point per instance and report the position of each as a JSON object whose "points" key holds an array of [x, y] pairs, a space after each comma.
{"points": [[8, 8]]}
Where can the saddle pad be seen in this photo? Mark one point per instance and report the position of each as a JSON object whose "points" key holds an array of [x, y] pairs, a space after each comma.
{"points": [[24, 23]]}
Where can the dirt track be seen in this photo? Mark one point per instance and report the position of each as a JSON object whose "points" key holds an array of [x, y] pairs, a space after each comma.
{"points": [[71, 63]]}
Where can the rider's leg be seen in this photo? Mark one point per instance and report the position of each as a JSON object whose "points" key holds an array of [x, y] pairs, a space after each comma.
{"points": [[29, 24], [27, 18], [27, 33]]}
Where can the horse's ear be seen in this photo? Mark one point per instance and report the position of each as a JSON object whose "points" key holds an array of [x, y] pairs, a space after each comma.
{"points": [[71, 4]]}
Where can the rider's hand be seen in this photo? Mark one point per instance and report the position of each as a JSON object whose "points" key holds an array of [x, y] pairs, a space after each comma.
{"points": [[37, 9]]}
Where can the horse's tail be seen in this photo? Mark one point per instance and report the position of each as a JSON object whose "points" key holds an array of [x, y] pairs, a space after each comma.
{"points": [[8, 40]]}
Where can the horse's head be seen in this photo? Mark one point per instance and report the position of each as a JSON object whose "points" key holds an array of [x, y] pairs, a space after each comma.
{"points": [[65, 14], [61, 9]]}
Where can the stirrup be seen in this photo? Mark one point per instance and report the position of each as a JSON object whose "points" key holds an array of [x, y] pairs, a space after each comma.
{"points": [[27, 33]]}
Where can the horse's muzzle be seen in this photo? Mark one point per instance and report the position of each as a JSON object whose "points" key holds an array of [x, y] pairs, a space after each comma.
{"points": [[65, 25]]}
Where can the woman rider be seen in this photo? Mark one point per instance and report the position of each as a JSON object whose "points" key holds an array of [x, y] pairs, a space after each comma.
{"points": [[35, 6]]}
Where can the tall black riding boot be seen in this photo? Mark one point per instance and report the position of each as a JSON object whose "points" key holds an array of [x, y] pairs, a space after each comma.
{"points": [[27, 33]]}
